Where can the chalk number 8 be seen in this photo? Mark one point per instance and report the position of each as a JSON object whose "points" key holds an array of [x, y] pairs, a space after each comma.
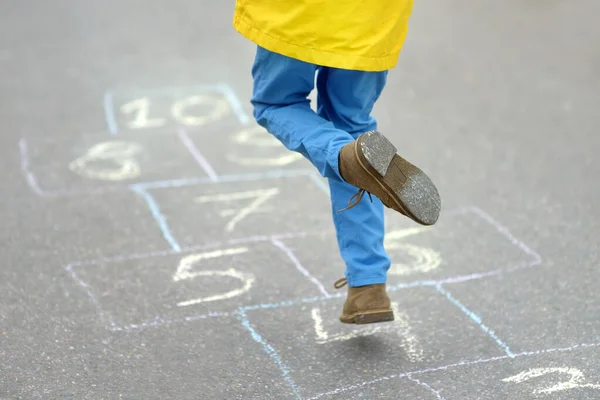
{"points": [[113, 161]]}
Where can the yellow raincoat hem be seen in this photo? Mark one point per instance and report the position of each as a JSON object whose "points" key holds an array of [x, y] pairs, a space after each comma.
{"points": [[313, 56]]}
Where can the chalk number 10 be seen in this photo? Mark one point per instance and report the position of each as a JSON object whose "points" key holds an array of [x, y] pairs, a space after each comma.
{"points": [[181, 111]]}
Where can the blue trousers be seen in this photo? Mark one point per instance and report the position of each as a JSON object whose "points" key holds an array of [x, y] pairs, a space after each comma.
{"points": [[345, 99]]}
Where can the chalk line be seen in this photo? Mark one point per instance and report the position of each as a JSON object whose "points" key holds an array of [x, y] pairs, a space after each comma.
{"points": [[506, 233], [189, 249], [91, 295], [263, 238], [253, 307], [480, 275], [451, 366], [109, 113], [233, 100], [477, 319], [264, 306], [157, 321], [171, 183], [437, 394], [31, 181], [285, 373], [158, 217], [278, 243], [224, 178], [204, 164]]}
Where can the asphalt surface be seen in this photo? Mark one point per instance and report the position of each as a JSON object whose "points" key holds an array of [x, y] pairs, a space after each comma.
{"points": [[156, 245]]}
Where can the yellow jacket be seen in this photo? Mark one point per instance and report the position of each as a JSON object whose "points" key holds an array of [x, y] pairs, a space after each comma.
{"points": [[362, 35]]}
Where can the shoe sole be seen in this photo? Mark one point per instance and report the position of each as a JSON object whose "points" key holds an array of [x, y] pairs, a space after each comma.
{"points": [[411, 190], [369, 317]]}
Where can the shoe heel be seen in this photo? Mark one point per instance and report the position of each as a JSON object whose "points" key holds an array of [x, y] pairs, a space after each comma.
{"points": [[373, 318], [377, 150]]}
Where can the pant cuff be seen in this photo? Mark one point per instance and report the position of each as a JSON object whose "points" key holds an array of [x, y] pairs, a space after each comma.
{"points": [[366, 281], [333, 159]]}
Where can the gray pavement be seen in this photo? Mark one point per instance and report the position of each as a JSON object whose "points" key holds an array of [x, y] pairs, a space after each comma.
{"points": [[157, 245]]}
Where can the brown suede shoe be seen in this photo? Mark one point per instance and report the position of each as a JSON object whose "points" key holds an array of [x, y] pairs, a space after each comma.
{"points": [[366, 304], [371, 164]]}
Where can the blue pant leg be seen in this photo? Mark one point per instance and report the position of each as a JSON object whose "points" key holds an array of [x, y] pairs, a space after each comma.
{"points": [[346, 98], [281, 86]]}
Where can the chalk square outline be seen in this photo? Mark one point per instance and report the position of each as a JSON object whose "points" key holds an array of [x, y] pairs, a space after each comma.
{"points": [[107, 316], [34, 184], [310, 334], [222, 88], [437, 285], [496, 226], [466, 363], [144, 191]]}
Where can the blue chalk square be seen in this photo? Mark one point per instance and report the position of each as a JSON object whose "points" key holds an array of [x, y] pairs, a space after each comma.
{"points": [[319, 351], [208, 282], [190, 213], [194, 106], [96, 162]]}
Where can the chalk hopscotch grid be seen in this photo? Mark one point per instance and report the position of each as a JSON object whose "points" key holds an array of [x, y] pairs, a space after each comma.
{"points": [[213, 177], [452, 366], [220, 88], [504, 231], [168, 236], [277, 241], [266, 346], [142, 190]]}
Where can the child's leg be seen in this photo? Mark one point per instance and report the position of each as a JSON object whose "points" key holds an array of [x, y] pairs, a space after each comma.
{"points": [[346, 98], [280, 90]]}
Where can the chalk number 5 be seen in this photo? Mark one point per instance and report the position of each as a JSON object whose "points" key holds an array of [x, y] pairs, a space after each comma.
{"points": [[185, 271]]}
